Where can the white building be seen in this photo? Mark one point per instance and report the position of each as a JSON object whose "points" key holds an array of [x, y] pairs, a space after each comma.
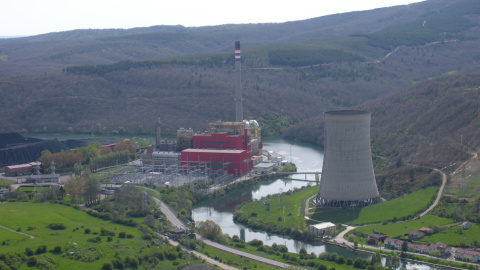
{"points": [[324, 228], [264, 167]]}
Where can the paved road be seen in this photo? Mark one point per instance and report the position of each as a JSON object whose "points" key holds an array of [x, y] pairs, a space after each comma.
{"points": [[176, 222], [203, 256]]}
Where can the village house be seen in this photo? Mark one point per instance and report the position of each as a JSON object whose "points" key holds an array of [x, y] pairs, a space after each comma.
{"points": [[418, 248], [426, 230], [442, 247], [465, 253], [415, 234], [393, 244], [376, 237]]}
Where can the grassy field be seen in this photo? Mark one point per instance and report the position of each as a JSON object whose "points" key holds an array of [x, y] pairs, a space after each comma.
{"points": [[5, 182], [402, 227], [285, 210], [72, 239], [396, 208], [453, 236]]}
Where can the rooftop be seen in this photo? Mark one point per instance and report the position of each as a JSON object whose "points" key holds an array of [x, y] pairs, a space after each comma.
{"points": [[323, 225], [227, 151]]}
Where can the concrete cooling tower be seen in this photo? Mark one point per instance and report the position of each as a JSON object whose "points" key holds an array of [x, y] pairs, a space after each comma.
{"points": [[347, 176]]}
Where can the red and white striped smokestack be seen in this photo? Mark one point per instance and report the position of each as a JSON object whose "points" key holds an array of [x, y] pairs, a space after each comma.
{"points": [[238, 84]]}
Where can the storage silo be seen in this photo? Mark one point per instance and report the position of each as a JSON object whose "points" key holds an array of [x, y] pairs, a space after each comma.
{"points": [[347, 176]]}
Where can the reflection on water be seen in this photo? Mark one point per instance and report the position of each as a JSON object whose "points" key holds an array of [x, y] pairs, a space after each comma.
{"points": [[220, 210], [307, 159]]}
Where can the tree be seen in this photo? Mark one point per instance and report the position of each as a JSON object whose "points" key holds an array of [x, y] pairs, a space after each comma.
{"points": [[376, 258], [75, 187], [395, 262], [149, 220], [405, 246], [211, 230], [388, 261], [91, 189]]}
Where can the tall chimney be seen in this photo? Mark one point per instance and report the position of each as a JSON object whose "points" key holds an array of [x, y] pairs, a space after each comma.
{"points": [[158, 135], [238, 84]]}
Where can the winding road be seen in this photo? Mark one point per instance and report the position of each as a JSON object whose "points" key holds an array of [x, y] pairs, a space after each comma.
{"points": [[177, 223]]}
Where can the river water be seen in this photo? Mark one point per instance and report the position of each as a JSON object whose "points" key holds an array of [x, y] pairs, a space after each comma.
{"points": [[308, 158], [220, 210]]}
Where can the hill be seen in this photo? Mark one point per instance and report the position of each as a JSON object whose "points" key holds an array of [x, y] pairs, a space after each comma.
{"points": [[284, 83], [54, 52], [433, 123]]}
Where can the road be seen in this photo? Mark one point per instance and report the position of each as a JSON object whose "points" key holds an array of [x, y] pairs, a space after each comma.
{"points": [[177, 223], [8, 229], [444, 181]]}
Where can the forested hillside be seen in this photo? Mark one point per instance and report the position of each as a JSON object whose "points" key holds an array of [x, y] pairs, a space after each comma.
{"points": [[284, 82], [55, 51], [434, 123]]}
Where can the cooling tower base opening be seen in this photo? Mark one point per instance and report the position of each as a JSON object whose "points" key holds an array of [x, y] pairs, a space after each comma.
{"points": [[321, 202]]}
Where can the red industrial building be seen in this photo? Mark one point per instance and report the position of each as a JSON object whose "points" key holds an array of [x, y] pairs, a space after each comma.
{"points": [[236, 162], [222, 140], [20, 169]]}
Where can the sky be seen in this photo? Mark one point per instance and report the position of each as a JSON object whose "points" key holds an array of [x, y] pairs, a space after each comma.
{"points": [[33, 17]]}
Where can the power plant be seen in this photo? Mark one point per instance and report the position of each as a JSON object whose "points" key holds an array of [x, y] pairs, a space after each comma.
{"points": [[225, 148], [347, 176]]}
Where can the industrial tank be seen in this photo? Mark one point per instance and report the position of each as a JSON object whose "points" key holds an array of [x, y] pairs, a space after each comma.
{"points": [[347, 176]]}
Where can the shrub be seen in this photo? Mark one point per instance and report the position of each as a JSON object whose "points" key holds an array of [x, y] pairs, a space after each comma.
{"points": [[57, 249], [56, 226], [87, 231], [28, 251], [107, 265], [32, 261], [255, 243], [97, 239], [322, 267], [41, 249], [122, 235]]}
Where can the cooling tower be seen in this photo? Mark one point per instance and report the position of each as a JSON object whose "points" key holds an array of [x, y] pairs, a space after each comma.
{"points": [[347, 175]]}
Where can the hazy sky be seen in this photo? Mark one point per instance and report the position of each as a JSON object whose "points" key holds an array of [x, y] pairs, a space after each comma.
{"points": [[32, 17]]}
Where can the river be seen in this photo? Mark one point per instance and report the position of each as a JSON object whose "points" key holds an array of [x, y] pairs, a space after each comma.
{"points": [[220, 210], [308, 158]]}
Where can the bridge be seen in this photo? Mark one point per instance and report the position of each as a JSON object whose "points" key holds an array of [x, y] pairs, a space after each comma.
{"points": [[285, 173], [297, 173]]}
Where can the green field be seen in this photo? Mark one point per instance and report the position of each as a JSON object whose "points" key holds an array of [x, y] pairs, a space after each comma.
{"points": [[5, 182], [454, 236], [11, 236], [38, 215], [286, 210], [403, 227], [396, 208]]}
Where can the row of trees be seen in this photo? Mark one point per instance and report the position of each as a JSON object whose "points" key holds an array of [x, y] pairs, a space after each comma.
{"points": [[86, 186], [93, 155]]}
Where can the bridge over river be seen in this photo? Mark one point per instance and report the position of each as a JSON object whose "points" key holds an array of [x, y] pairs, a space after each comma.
{"points": [[299, 173]]}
